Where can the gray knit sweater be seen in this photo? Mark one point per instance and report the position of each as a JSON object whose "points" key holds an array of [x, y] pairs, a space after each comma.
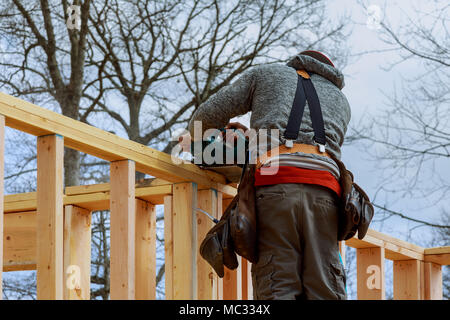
{"points": [[268, 92]]}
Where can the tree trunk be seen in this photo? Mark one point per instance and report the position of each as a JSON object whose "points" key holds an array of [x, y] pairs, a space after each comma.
{"points": [[71, 167], [70, 108]]}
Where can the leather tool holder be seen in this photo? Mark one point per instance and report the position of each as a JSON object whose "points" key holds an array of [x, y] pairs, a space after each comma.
{"points": [[355, 210]]}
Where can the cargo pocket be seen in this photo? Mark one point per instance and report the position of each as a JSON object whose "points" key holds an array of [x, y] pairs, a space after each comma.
{"points": [[262, 273], [338, 280]]}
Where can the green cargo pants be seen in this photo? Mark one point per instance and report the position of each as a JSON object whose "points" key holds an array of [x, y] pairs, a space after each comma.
{"points": [[297, 242]]}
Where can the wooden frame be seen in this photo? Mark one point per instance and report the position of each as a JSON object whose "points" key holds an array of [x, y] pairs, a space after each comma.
{"points": [[31, 224], [370, 274], [184, 241], [32, 119], [50, 153], [123, 219], [145, 241], [168, 246], [77, 253], [432, 281], [207, 279], [407, 280]]}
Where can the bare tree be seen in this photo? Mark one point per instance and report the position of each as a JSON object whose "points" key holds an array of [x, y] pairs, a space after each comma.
{"points": [[410, 138], [147, 65], [43, 59], [165, 58]]}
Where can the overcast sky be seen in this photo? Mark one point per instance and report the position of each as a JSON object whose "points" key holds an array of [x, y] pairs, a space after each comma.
{"points": [[366, 81]]}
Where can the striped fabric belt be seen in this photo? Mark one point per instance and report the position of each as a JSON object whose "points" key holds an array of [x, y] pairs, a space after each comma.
{"points": [[296, 160]]}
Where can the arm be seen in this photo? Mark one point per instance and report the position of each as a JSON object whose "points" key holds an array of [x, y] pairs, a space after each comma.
{"points": [[230, 101]]}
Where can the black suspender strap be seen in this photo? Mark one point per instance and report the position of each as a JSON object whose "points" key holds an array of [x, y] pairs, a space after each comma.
{"points": [[305, 92], [296, 115]]}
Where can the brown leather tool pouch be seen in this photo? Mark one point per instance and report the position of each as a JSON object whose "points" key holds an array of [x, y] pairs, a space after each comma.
{"points": [[355, 210], [217, 248], [243, 217], [236, 230]]}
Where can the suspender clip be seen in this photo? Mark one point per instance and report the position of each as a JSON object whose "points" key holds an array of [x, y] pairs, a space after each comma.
{"points": [[321, 147], [289, 143]]}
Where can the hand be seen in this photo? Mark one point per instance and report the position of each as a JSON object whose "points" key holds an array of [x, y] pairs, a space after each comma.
{"points": [[230, 134], [236, 125]]}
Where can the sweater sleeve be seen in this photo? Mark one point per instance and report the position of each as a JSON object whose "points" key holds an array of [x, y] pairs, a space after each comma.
{"points": [[229, 102]]}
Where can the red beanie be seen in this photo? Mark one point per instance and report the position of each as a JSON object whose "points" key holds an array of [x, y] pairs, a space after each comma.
{"points": [[318, 55]]}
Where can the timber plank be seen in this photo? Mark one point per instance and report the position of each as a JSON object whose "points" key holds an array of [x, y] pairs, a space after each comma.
{"points": [[50, 153], [145, 280], [184, 235], [123, 220], [207, 278], [168, 246], [370, 274], [407, 280], [77, 253]]}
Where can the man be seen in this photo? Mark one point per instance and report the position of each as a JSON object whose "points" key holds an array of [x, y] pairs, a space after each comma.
{"points": [[297, 206]]}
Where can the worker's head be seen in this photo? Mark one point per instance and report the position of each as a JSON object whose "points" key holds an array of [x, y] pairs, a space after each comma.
{"points": [[318, 56]]}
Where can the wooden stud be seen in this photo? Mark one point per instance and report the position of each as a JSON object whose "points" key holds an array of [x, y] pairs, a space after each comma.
{"points": [[145, 281], [231, 281], [407, 278], [432, 281], [123, 219], [207, 278], [370, 274], [246, 274], [219, 292], [168, 247], [245, 279], [239, 279], [249, 281], [77, 253], [50, 224], [184, 228], [2, 160]]}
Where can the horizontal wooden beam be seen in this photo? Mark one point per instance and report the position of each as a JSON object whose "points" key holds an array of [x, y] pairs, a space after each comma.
{"points": [[153, 182], [32, 119], [19, 241], [395, 249], [88, 200], [438, 255]]}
